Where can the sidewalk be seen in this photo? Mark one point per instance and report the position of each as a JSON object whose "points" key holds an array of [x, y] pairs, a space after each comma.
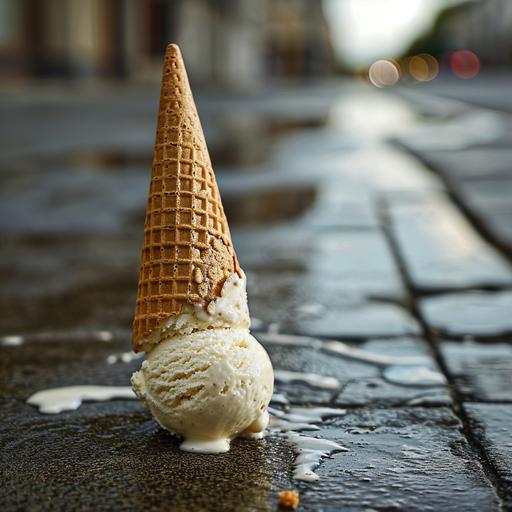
{"points": [[379, 220]]}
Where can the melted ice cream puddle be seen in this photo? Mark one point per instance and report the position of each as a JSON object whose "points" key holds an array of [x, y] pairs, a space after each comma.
{"points": [[309, 450], [312, 379], [124, 357], [301, 418], [11, 341], [70, 398], [17, 340], [56, 400]]}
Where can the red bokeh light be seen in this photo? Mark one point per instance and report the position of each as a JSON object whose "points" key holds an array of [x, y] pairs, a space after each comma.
{"points": [[464, 64]]}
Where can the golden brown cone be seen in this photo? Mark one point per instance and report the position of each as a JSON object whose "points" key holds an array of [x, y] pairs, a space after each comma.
{"points": [[187, 253]]}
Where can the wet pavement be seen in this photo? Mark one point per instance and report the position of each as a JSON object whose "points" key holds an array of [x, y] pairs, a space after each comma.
{"points": [[374, 229]]}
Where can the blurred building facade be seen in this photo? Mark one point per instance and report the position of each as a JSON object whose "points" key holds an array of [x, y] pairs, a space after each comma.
{"points": [[238, 43], [482, 26]]}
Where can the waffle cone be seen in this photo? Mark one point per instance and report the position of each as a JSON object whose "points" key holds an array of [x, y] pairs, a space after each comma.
{"points": [[187, 252]]}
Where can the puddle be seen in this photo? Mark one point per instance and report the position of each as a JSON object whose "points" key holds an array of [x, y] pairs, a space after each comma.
{"points": [[310, 451], [97, 160], [11, 341], [57, 400], [268, 206], [124, 357], [18, 340]]}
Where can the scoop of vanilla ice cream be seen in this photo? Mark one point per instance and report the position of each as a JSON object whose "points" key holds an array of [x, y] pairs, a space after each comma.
{"points": [[207, 386]]}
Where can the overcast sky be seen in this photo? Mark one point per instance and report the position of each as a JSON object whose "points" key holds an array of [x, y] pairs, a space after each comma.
{"points": [[366, 30]]}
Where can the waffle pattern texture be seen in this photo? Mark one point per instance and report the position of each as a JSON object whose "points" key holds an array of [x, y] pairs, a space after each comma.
{"points": [[187, 252]]}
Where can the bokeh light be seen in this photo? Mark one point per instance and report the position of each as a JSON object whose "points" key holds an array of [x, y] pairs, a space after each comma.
{"points": [[464, 64], [423, 67], [384, 73]]}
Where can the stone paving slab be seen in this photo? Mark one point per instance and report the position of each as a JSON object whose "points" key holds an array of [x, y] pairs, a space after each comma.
{"points": [[320, 308], [441, 250], [484, 314], [322, 144], [480, 178], [488, 90], [498, 222], [49, 266], [339, 209], [301, 269], [73, 201], [488, 194], [361, 259], [76, 360], [491, 425], [400, 459], [390, 172], [358, 320], [113, 456], [471, 128], [490, 202], [471, 163], [481, 371], [60, 121], [102, 303]]}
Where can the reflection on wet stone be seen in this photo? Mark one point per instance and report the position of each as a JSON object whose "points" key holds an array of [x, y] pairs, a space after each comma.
{"points": [[485, 314], [481, 371], [267, 206], [441, 249]]}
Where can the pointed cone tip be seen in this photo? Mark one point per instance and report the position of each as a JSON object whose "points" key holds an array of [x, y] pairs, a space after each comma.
{"points": [[173, 49]]}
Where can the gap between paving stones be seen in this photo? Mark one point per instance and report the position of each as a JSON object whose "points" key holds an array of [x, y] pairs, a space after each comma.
{"points": [[479, 434], [432, 342]]}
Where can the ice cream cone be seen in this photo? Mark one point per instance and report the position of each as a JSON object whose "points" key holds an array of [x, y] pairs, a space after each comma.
{"points": [[187, 253]]}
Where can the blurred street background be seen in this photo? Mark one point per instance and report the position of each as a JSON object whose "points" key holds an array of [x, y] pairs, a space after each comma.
{"points": [[363, 149]]}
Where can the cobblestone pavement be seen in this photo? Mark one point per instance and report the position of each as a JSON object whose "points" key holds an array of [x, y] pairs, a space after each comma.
{"points": [[379, 220]]}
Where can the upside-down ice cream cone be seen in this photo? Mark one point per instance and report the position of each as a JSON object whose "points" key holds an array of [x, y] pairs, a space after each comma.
{"points": [[187, 253], [205, 377]]}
